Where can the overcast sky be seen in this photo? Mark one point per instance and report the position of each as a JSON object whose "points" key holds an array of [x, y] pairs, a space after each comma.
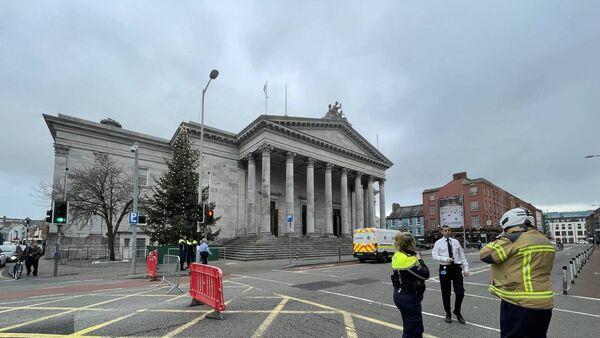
{"points": [[506, 90]]}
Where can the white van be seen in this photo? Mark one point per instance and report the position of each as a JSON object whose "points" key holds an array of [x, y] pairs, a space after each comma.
{"points": [[374, 243]]}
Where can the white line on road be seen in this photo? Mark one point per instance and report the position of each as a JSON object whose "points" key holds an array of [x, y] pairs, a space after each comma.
{"points": [[394, 306]]}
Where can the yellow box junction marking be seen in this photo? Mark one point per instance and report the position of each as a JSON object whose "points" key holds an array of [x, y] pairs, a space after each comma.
{"points": [[267, 322]]}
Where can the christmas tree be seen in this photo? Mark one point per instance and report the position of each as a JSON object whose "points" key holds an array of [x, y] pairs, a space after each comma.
{"points": [[173, 210]]}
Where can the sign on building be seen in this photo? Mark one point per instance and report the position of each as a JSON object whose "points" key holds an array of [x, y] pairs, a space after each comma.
{"points": [[452, 212]]}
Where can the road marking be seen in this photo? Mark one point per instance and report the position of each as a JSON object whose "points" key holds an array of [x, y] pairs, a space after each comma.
{"points": [[101, 325], [582, 297], [267, 322], [196, 320], [69, 311], [38, 304], [264, 279], [369, 319], [290, 312], [52, 308], [172, 299], [394, 306], [38, 335], [350, 328]]}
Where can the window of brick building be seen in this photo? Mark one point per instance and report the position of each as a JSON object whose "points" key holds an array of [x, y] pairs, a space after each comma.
{"points": [[432, 210], [473, 190], [431, 197], [474, 205], [475, 221]]}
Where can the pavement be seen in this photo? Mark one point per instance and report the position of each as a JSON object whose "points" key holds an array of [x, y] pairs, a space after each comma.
{"points": [[266, 298], [588, 281]]}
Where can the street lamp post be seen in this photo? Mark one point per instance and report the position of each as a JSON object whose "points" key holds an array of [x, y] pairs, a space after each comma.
{"points": [[213, 75], [596, 231], [136, 178]]}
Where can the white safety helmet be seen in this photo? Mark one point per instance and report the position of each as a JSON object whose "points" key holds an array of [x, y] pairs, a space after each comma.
{"points": [[517, 216]]}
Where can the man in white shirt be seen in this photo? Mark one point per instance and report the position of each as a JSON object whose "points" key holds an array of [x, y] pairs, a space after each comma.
{"points": [[453, 265]]}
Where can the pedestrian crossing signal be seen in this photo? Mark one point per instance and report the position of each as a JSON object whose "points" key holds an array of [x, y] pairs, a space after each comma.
{"points": [[49, 216], [60, 212]]}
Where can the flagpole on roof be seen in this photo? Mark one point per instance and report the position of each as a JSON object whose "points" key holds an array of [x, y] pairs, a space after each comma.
{"points": [[266, 96], [286, 99]]}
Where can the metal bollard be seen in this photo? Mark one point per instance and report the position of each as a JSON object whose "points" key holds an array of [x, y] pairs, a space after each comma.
{"points": [[339, 254], [297, 254], [573, 270], [565, 283]]}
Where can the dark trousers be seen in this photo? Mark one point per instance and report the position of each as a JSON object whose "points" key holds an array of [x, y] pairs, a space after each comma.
{"points": [[29, 262], [204, 257], [517, 321], [453, 276], [181, 261], [412, 317]]}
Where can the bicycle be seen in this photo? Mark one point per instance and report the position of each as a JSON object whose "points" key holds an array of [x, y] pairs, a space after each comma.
{"points": [[17, 269]]}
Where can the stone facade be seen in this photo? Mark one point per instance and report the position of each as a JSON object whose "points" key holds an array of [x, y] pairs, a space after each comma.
{"points": [[277, 165]]}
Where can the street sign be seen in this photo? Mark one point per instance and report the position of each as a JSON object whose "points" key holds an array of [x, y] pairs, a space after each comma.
{"points": [[133, 218], [290, 218]]}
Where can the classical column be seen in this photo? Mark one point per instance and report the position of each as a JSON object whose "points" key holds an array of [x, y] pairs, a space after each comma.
{"points": [[353, 199], [382, 203], [345, 213], [370, 202], [289, 189], [251, 196], [242, 225], [328, 201], [358, 195], [310, 196], [265, 225]]}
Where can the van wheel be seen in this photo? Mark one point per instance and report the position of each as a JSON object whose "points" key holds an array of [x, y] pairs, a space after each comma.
{"points": [[385, 258], [362, 260]]}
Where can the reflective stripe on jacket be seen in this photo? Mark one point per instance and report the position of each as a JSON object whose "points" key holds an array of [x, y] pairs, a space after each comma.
{"points": [[521, 268]]}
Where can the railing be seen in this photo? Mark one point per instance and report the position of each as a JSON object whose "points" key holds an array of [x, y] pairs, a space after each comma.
{"points": [[164, 271], [79, 255]]}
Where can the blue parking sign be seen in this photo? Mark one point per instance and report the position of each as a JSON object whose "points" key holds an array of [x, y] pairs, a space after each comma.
{"points": [[133, 218], [290, 218]]}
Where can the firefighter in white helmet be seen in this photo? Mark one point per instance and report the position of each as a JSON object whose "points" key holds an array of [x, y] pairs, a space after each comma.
{"points": [[521, 261]]}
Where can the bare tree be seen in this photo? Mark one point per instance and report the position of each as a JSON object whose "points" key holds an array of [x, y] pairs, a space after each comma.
{"points": [[101, 189]]}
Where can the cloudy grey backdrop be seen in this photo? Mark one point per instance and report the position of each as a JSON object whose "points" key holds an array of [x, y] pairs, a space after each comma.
{"points": [[505, 90]]}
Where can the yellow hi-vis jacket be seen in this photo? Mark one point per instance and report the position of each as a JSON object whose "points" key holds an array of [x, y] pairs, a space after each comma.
{"points": [[402, 261], [521, 268]]}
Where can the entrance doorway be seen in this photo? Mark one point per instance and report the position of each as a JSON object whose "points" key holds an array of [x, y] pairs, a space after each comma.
{"points": [[304, 220], [274, 220], [337, 223]]}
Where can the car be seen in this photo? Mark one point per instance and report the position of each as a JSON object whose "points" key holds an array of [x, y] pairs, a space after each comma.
{"points": [[8, 250], [582, 241]]}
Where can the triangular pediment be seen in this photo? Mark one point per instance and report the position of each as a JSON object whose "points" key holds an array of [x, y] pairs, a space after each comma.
{"points": [[336, 132], [334, 136]]}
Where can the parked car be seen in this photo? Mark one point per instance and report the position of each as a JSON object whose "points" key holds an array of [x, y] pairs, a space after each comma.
{"points": [[8, 250], [582, 241]]}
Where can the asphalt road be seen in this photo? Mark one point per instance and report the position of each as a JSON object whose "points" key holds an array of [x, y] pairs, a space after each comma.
{"points": [[330, 300]]}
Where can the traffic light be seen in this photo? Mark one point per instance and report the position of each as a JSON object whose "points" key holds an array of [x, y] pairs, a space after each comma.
{"points": [[210, 214], [201, 213], [49, 216], [61, 209], [142, 219]]}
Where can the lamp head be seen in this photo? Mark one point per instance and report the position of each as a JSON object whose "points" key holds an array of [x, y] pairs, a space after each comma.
{"points": [[133, 148], [213, 74]]}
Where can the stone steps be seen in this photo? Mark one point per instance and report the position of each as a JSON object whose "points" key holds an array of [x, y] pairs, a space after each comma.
{"points": [[258, 248]]}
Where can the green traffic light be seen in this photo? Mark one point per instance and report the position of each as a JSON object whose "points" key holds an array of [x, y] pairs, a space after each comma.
{"points": [[60, 220]]}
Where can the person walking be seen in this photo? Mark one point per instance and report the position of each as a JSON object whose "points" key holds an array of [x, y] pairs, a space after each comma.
{"points": [[32, 256], [453, 265], [521, 262], [479, 244], [204, 251], [182, 252], [408, 279]]}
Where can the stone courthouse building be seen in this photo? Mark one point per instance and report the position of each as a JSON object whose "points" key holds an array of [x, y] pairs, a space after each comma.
{"points": [[320, 170]]}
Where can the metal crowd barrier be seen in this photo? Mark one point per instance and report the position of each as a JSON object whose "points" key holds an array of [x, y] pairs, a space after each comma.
{"points": [[164, 272]]}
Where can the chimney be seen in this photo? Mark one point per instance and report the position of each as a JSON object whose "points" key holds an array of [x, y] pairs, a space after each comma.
{"points": [[395, 207], [460, 176]]}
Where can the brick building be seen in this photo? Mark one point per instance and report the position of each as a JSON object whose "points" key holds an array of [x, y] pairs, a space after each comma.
{"points": [[483, 203]]}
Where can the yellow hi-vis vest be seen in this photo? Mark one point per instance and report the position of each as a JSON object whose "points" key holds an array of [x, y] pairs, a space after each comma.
{"points": [[521, 268], [401, 261]]}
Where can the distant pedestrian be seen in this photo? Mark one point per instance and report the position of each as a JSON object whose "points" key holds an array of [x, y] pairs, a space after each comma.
{"points": [[182, 253], [478, 244], [408, 279], [204, 251], [521, 261], [453, 265], [32, 256]]}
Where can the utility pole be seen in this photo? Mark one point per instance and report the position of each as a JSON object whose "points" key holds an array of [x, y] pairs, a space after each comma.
{"points": [[136, 178], [58, 225]]}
